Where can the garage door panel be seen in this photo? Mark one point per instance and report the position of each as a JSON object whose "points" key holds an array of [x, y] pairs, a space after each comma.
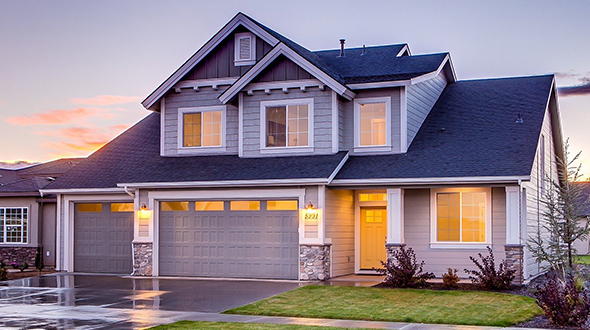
{"points": [[258, 244], [102, 241]]}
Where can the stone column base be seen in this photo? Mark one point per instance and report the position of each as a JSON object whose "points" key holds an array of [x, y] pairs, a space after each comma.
{"points": [[314, 262], [392, 247], [142, 259], [514, 259]]}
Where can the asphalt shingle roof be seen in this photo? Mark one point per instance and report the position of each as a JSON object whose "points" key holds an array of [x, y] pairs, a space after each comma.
{"points": [[585, 195], [32, 178], [134, 157], [470, 131]]}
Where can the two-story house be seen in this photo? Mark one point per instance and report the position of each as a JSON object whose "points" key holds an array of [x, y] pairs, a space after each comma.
{"points": [[262, 159]]}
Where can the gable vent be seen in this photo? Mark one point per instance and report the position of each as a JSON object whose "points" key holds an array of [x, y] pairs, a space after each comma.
{"points": [[245, 44]]}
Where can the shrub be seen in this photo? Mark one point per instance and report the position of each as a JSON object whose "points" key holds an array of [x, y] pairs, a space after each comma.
{"points": [[564, 302], [3, 272], [402, 271], [450, 278], [488, 276], [39, 264]]}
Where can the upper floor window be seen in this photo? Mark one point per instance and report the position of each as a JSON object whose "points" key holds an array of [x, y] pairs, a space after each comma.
{"points": [[201, 127], [461, 216], [372, 122], [13, 224], [244, 49], [287, 124]]}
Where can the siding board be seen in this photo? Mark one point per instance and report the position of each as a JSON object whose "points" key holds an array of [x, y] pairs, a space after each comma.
{"points": [[421, 98], [340, 228]]}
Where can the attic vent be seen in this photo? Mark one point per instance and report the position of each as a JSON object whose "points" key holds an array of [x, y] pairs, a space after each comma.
{"points": [[244, 49]]}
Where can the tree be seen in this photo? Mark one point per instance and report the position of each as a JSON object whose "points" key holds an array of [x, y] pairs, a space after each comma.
{"points": [[562, 218]]}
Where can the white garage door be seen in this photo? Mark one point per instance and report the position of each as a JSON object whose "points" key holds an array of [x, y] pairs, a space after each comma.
{"points": [[247, 239]]}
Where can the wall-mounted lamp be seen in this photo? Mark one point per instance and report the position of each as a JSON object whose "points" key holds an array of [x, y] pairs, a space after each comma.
{"points": [[144, 213], [143, 207], [310, 206]]}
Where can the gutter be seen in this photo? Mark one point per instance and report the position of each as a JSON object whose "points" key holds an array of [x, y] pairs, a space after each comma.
{"points": [[430, 181], [237, 183], [83, 191]]}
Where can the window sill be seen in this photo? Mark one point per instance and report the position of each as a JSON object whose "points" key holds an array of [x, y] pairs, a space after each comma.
{"points": [[201, 150], [286, 150], [460, 246], [363, 149], [243, 63]]}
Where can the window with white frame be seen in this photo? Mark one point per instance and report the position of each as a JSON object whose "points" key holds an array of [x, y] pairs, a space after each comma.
{"points": [[372, 122], [201, 127], [244, 49], [461, 216], [287, 124], [13, 224]]}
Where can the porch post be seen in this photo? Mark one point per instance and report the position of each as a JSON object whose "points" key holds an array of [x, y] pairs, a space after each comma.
{"points": [[395, 220], [514, 247]]}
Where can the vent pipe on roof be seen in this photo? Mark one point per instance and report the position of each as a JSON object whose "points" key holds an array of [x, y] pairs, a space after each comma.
{"points": [[364, 51], [342, 41]]}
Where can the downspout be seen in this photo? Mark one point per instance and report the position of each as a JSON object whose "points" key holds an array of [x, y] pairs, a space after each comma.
{"points": [[132, 248], [129, 193], [522, 260]]}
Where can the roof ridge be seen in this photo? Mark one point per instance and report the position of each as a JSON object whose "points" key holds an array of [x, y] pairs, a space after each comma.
{"points": [[359, 48]]}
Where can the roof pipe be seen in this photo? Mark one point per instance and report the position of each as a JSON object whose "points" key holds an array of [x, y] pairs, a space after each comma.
{"points": [[342, 41]]}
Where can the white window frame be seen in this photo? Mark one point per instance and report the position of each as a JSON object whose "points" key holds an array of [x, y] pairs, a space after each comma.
{"points": [[310, 120], [252, 59], [205, 149], [357, 124], [459, 245], [24, 239]]}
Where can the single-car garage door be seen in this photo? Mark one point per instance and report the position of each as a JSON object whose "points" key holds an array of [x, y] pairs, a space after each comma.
{"points": [[102, 238], [248, 239]]}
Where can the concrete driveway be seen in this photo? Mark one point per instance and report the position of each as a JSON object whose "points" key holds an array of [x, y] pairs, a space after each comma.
{"points": [[67, 301]]}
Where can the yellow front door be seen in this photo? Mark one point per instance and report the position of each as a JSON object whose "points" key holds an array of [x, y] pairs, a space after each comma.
{"points": [[373, 231]]}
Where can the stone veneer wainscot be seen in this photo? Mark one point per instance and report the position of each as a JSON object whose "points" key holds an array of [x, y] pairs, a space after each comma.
{"points": [[314, 262]]}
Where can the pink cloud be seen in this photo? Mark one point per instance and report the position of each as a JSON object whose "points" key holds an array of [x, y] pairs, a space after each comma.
{"points": [[105, 100], [57, 117], [80, 141]]}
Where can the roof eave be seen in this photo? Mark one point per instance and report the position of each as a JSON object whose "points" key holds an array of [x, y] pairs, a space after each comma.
{"points": [[431, 181], [230, 183]]}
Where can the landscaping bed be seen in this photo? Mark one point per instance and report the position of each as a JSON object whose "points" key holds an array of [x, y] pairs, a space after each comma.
{"points": [[465, 307], [16, 274]]}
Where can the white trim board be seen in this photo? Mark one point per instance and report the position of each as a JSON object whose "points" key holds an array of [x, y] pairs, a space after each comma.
{"points": [[282, 49], [239, 19], [237, 183], [422, 181]]}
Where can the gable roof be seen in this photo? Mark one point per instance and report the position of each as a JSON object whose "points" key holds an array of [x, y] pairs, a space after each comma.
{"points": [[31, 179], [470, 132], [380, 63], [133, 158]]}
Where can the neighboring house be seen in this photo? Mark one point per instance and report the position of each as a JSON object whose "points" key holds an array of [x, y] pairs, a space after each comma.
{"points": [[583, 246], [27, 218], [263, 159]]}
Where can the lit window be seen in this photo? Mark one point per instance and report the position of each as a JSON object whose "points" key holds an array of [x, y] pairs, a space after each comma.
{"points": [[174, 206], [287, 125], [461, 217], [281, 205], [244, 205], [372, 197], [209, 206], [372, 122], [90, 207], [13, 224], [122, 207], [245, 49], [202, 129]]}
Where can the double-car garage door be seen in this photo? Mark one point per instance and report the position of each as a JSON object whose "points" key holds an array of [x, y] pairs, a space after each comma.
{"points": [[249, 239], [256, 239]]}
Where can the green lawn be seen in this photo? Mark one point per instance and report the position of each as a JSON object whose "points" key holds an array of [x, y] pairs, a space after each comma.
{"points": [[241, 326], [397, 305], [582, 259]]}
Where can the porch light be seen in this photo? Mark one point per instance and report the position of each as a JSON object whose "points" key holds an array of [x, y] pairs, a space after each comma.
{"points": [[144, 213], [310, 206]]}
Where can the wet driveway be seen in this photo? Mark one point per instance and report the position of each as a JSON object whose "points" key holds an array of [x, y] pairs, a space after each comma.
{"points": [[67, 301]]}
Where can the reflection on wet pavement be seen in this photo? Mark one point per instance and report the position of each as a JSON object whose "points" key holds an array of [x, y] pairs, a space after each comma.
{"points": [[68, 301]]}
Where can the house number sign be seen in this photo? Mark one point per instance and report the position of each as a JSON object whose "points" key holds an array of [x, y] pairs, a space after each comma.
{"points": [[311, 216]]}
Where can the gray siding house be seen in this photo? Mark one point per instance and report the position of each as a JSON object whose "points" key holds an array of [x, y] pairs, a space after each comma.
{"points": [[263, 159]]}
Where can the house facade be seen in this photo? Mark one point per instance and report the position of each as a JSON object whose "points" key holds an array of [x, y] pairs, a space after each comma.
{"points": [[27, 218], [262, 159]]}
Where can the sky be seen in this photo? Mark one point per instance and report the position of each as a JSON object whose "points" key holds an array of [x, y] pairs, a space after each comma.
{"points": [[73, 73]]}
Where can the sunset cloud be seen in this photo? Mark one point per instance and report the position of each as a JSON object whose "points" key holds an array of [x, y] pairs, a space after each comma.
{"points": [[106, 100], [581, 89], [58, 117], [80, 141]]}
